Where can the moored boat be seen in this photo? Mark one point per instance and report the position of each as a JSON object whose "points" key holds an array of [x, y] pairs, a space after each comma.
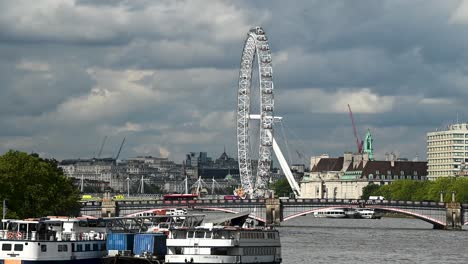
{"points": [[331, 213], [223, 244], [52, 240], [369, 213]]}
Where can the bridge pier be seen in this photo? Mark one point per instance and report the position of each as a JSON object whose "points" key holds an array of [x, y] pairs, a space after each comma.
{"points": [[274, 212], [108, 207], [453, 216]]}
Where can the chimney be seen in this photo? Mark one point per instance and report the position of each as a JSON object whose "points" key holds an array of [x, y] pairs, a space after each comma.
{"points": [[347, 159], [365, 159], [357, 158], [392, 159]]}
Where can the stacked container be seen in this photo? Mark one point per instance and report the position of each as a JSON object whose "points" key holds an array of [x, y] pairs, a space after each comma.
{"points": [[150, 244], [120, 243]]}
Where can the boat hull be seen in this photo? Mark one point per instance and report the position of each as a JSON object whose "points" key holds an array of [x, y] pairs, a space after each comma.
{"points": [[75, 261], [129, 260], [213, 259]]}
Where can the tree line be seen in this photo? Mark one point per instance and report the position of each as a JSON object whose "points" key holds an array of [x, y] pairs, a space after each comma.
{"points": [[409, 190]]}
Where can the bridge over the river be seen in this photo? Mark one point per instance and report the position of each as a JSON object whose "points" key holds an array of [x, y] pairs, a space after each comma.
{"points": [[274, 211]]}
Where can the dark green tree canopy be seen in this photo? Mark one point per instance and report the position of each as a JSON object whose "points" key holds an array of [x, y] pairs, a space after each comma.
{"points": [[281, 187], [408, 190], [35, 187]]}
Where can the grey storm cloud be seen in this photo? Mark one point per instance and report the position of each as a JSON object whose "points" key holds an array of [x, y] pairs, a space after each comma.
{"points": [[164, 73]]}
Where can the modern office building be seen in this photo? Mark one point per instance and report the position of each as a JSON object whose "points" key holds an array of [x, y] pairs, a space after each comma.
{"points": [[447, 151]]}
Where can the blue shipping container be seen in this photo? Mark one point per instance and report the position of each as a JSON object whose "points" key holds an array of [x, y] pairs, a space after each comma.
{"points": [[152, 243], [120, 241]]}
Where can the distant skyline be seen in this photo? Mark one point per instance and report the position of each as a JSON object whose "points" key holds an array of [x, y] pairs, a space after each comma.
{"points": [[164, 74]]}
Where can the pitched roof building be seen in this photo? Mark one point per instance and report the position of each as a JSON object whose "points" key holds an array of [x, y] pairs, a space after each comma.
{"points": [[344, 177]]}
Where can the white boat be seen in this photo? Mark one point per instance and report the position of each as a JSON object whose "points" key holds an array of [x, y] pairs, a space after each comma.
{"points": [[52, 240], [369, 213], [220, 244], [331, 213]]}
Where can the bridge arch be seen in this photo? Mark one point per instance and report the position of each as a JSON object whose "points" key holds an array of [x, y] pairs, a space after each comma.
{"points": [[435, 222], [214, 209]]}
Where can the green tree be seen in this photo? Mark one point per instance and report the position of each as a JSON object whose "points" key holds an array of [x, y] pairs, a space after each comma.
{"points": [[369, 190], [35, 187], [408, 190], [281, 187]]}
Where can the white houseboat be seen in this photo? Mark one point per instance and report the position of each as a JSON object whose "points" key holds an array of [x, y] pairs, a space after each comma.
{"points": [[52, 240], [221, 244], [369, 213], [331, 213]]}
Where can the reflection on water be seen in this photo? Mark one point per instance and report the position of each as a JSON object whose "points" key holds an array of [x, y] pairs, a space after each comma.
{"points": [[388, 240]]}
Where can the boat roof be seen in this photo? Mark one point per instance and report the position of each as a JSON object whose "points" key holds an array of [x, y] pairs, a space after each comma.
{"points": [[234, 220]]}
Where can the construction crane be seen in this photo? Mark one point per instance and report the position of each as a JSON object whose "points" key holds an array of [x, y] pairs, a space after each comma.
{"points": [[102, 146], [359, 142], [120, 149]]}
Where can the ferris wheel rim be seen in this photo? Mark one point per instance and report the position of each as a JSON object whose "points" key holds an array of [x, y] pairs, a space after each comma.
{"points": [[256, 45]]}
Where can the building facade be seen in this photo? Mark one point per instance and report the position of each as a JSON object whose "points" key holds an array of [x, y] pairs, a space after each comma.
{"points": [[345, 177], [447, 151]]}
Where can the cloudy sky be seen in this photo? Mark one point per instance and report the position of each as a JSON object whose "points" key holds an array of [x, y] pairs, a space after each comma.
{"points": [[164, 74]]}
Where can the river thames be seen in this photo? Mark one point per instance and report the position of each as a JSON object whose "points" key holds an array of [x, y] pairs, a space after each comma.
{"points": [[387, 240]]}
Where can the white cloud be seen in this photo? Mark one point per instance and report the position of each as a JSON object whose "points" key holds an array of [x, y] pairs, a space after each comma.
{"points": [[361, 100], [116, 93], [460, 15], [33, 66], [152, 149], [220, 120], [69, 20]]}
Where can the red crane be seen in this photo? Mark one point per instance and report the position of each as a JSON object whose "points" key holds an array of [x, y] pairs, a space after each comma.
{"points": [[359, 142]]}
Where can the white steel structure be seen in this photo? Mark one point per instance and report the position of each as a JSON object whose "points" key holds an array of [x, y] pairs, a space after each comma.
{"points": [[256, 45]]}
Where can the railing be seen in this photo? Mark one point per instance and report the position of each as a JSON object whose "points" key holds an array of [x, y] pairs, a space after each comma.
{"points": [[51, 236]]}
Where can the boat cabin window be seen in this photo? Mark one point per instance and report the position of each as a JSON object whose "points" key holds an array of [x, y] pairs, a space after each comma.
{"points": [[190, 234], [12, 226], [87, 247], [6, 247], [18, 247], [23, 227], [199, 234], [95, 247], [62, 248], [44, 248], [224, 234], [208, 234]]}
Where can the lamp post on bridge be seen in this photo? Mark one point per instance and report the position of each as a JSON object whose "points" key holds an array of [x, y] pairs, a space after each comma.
{"points": [[453, 196], [442, 196]]}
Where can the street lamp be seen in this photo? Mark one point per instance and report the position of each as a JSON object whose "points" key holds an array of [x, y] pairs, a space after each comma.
{"points": [[4, 208], [128, 186], [442, 196]]}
